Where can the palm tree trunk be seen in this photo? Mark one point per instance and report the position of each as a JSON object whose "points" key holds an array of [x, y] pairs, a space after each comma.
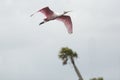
{"points": [[76, 69]]}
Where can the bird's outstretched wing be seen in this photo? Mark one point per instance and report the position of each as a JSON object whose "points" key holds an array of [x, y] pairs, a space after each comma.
{"points": [[46, 11], [67, 21]]}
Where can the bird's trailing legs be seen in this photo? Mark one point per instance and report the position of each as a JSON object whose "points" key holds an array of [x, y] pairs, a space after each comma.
{"points": [[42, 23], [45, 20]]}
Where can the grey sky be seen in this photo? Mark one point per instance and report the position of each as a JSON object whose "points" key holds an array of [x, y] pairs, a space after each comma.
{"points": [[29, 51]]}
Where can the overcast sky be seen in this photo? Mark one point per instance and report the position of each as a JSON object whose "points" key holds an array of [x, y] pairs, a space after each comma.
{"points": [[30, 52]]}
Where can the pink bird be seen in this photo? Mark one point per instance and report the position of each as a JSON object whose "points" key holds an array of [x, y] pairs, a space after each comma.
{"points": [[50, 15]]}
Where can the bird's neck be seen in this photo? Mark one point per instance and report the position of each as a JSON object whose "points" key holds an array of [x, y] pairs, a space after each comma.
{"points": [[64, 13]]}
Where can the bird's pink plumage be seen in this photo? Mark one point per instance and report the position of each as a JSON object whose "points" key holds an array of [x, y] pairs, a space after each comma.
{"points": [[67, 21], [47, 12]]}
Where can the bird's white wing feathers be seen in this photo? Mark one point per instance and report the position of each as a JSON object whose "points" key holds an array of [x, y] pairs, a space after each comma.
{"points": [[67, 21]]}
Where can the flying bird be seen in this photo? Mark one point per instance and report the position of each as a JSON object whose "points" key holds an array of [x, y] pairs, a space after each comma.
{"points": [[50, 15]]}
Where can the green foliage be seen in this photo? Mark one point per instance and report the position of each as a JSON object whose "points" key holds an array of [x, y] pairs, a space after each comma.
{"points": [[100, 78], [66, 53]]}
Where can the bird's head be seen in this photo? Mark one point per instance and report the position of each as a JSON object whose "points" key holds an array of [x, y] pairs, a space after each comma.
{"points": [[65, 12]]}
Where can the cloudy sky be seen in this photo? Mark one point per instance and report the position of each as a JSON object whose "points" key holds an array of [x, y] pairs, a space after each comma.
{"points": [[30, 52]]}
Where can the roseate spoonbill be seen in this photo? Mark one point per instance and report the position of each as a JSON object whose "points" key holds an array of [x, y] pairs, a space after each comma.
{"points": [[50, 15]]}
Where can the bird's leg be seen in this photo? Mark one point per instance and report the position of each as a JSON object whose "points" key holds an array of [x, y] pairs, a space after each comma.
{"points": [[42, 22], [45, 20]]}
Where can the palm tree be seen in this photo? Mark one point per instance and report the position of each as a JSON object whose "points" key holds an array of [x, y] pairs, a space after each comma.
{"points": [[65, 54]]}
